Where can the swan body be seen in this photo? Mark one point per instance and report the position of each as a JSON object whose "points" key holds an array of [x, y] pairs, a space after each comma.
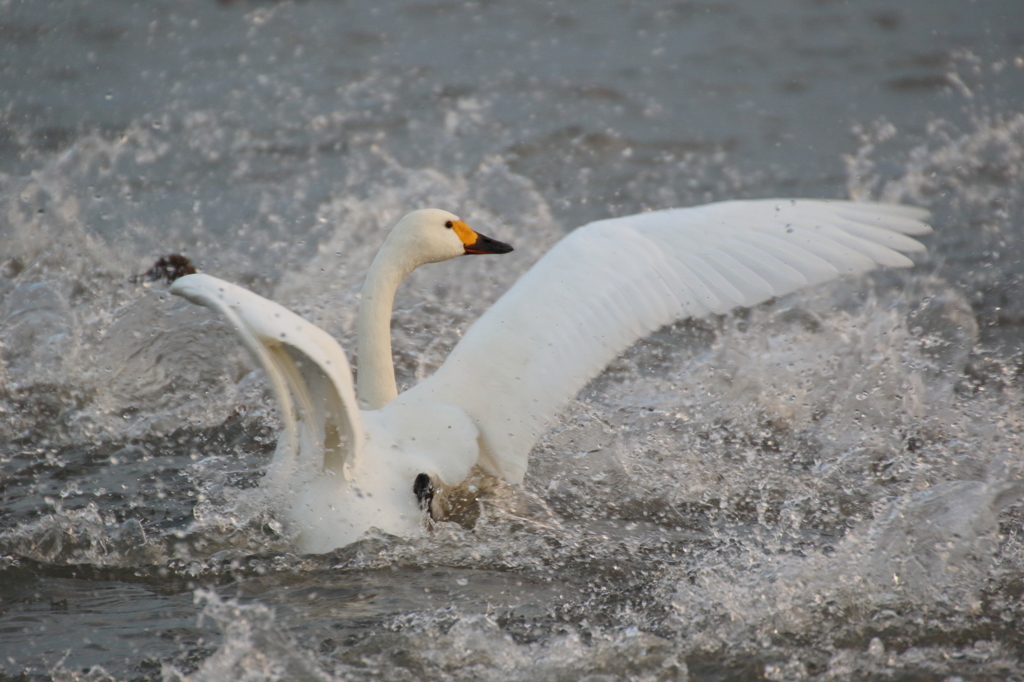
{"points": [[342, 466]]}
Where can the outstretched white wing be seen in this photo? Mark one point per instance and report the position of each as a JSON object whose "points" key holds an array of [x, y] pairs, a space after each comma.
{"points": [[307, 368], [611, 282]]}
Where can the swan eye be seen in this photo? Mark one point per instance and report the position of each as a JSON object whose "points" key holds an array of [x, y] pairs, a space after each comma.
{"points": [[448, 224], [423, 489]]}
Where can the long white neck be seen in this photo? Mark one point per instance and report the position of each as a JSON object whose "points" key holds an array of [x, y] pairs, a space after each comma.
{"points": [[375, 370]]}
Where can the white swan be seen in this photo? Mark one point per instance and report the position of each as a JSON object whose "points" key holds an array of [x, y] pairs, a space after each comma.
{"points": [[340, 470]]}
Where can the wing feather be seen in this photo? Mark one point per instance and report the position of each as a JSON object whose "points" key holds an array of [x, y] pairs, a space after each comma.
{"points": [[776, 272], [814, 268], [723, 295], [752, 287]]}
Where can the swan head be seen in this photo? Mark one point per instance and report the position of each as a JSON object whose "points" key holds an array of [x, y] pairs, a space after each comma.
{"points": [[431, 235]]}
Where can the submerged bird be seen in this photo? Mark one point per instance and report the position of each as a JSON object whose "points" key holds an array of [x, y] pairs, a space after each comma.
{"points": [[342, 467]]}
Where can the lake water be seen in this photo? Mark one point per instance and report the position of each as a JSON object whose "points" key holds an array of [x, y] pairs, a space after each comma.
{"points": [[825, 487]]}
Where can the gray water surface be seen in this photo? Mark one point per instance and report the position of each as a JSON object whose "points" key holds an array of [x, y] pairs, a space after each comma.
{"points": [[825, 487]]}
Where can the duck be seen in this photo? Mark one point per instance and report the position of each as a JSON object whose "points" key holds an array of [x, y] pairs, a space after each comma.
{"points": [[356, 455]]}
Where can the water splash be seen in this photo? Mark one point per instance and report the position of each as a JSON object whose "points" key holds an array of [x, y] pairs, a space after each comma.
{"points": [[82, 536], [253, 647]]}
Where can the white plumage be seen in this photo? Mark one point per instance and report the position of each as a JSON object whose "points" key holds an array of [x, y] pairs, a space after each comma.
{"points": [[339, 471]]}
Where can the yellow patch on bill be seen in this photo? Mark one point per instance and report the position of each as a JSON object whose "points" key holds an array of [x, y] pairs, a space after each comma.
{"points": [[465, 232]]}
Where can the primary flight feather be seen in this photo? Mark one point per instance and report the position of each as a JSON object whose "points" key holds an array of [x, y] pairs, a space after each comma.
{"points": [[340, 470]]}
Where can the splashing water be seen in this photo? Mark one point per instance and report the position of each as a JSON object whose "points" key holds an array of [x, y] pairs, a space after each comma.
{"points": [[824, 487]]}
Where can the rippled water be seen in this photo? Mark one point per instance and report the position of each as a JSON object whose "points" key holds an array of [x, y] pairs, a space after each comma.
{"points": [[825, 487]]}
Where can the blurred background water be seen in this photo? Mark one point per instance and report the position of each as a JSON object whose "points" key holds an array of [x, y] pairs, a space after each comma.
{"points": [[825, 487]]}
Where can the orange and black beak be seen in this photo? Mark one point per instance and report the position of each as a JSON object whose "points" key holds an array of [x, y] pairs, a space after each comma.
{"points": [[476, 243]]}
